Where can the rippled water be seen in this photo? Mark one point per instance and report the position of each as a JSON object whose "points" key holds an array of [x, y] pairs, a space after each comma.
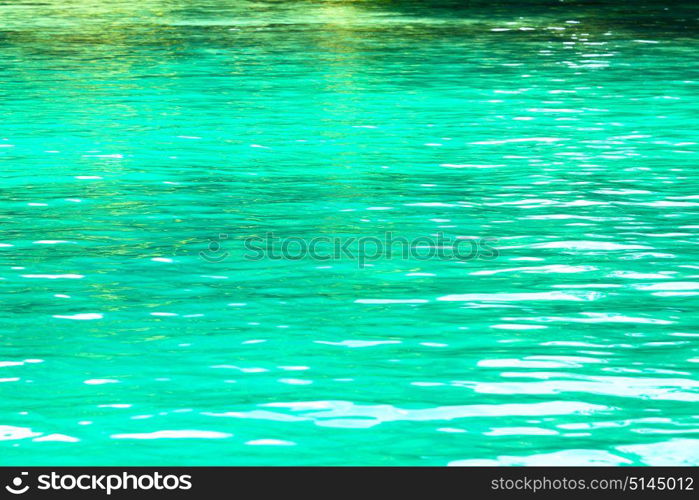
{"points": [[137, 134]]}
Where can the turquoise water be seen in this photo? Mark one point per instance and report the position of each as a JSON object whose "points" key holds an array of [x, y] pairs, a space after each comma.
{"points": [[142, 142]]}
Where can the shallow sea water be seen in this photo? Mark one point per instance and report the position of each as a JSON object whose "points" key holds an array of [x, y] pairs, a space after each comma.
{"points": [[137, 135]]}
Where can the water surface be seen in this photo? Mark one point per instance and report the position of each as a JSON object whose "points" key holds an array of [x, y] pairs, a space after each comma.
{"points": [[135, 134]]}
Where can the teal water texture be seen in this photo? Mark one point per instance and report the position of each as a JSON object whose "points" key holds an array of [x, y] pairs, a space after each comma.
{"points": [[135, 134]]}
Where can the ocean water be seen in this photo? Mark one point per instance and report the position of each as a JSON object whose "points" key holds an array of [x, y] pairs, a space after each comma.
{"points": [[142, 142]]}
